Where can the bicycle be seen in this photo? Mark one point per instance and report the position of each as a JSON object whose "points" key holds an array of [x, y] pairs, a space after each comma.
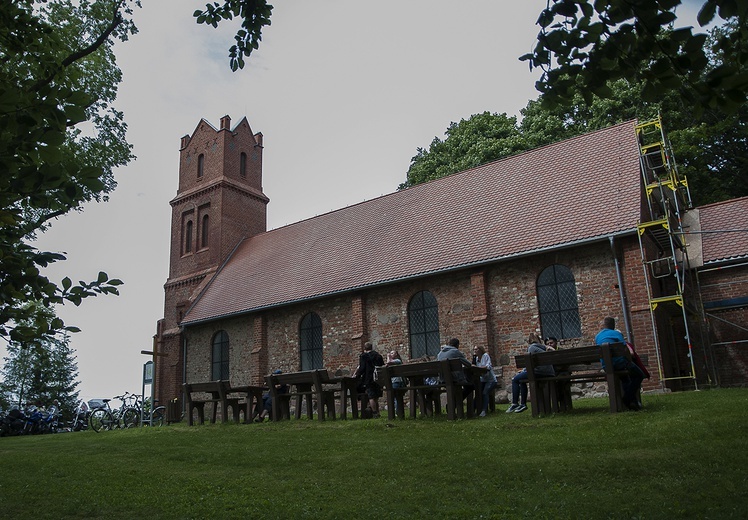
{"points": [[151, 417], [103, 417]]}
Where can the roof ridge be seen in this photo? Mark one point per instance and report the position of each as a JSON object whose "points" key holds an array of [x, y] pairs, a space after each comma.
{"points": [[722, 202]]}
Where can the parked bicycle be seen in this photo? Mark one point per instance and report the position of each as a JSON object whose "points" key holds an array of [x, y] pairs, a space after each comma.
{"points": [[151, 417], [103, 417]]}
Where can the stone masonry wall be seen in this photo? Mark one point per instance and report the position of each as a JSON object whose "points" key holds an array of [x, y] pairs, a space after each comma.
{"points": [[505, 313]]}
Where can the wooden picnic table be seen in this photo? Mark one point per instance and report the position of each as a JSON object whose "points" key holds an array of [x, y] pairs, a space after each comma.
{"points": [[312, 386], [218, 391], [574, 365], [421, 393]]}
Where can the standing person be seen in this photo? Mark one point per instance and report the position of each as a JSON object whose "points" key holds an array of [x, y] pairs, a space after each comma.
{"points": [[632, 384], [393, 358], [519, 382], [488, 380], [367, 363]]}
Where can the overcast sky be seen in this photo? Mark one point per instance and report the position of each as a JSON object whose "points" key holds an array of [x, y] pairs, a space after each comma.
{"points": [[344, 92]]}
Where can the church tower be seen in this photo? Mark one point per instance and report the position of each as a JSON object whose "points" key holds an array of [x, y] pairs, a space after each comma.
{"points": [[219, 202]]}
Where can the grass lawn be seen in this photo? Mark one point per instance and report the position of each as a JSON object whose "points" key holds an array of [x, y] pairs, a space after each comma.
{"points": [[684, 456]]}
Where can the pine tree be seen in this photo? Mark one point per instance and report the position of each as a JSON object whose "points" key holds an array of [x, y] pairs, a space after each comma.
{"points": [[40, 372]]}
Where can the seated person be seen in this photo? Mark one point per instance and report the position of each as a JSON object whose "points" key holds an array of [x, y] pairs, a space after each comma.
{"points": [[393, 358], [631, 384], [488, 380], [451, 351], [519, 382], [267, 401]]}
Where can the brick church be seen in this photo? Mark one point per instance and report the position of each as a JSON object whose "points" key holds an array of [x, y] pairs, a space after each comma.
{"points": [[546, 240]]}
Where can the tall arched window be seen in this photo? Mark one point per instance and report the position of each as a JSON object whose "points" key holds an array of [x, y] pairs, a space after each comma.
{"points": [[310, 342], [188, 237], [220, 357], [200, 165], [557, 303], [204, 231], [243, 164], [423, 321]]}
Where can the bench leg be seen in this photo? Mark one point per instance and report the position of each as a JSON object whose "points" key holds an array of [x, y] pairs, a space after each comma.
{"points": [[534, 397], [200, 407], [400, 400]]}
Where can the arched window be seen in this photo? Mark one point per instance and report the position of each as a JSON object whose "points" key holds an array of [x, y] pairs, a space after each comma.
{"points": [[188, 237], [557, 303], [423, 321], [204, 232], [200, 165], [310, 342], [243, 164], [220, 358]]}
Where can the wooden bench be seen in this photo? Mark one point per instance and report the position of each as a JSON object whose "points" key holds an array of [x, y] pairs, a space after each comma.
{"points": [[218, 391], [575, 365], [425, 397], [306, 386]]}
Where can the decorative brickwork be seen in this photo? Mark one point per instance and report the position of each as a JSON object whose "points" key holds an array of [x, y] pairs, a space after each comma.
{"points": [[219, 202]]}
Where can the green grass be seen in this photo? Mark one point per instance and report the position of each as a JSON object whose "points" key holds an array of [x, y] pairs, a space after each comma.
{"points": [[684, 456]]}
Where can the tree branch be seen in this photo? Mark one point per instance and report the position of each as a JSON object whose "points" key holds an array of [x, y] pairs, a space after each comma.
{"points": [[116, 20]]}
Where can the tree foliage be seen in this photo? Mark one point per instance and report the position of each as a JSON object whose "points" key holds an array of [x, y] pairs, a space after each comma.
{"points": [[471, 142], [60, 139], [585, 45], [254, 15], [40, 372]]}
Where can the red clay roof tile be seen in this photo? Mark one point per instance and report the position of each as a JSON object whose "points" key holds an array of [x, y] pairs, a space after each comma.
{"points": [[724, 226], [569, 192]]}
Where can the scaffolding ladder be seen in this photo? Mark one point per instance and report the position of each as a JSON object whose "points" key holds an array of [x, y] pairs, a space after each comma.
{"points": [[666, 268]]}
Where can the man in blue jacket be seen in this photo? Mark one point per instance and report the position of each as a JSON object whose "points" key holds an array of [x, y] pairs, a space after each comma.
{"points": [[631, 384]]}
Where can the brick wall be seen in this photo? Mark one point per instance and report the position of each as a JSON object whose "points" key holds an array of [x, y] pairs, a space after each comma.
{"points": [[495, 305], [727, 356], [232, 200]]}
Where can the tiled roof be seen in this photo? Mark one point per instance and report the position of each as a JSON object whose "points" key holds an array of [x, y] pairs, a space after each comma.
{"points": [[558, 195], [724, 226]]}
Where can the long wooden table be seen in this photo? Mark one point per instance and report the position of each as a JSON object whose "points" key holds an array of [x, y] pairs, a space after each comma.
{"points": [[312, 386], [218, 391], [582, 364], [221, 392], [415, 375]]}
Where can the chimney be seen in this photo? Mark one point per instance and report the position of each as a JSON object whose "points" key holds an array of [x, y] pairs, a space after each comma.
{"points": [[225, 123], [185, 142]]}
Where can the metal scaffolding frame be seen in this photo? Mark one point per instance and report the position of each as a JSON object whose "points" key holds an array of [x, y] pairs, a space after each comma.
{"points": [[668, 198]]}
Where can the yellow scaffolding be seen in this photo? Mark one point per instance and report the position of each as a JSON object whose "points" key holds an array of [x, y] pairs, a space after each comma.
{"points": [[668, 198]]}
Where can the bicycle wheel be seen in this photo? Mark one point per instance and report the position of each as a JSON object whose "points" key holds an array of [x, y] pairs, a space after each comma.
{"points": [[131, 418], [100, 420], [157, 418]]}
